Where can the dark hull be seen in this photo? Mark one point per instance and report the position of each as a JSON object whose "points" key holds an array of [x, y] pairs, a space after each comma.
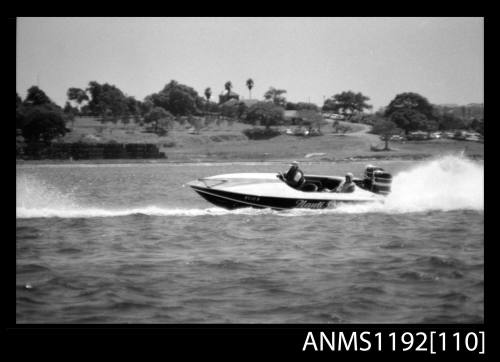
{"points": [[231, 201]]}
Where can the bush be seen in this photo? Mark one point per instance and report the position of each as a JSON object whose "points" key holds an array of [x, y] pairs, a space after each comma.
{"points": [[162, 132], [266, 113], [261, 133], [169, 144], [227, 137]]}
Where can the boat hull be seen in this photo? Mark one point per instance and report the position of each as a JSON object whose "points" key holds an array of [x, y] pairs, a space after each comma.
{"points": [[232, 200]]}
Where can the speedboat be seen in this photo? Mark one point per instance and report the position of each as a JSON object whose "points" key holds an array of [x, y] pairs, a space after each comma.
{"points": [[271, 190]]}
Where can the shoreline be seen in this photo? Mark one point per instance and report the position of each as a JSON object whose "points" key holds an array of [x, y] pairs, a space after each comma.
{"points": [[357, 158]]}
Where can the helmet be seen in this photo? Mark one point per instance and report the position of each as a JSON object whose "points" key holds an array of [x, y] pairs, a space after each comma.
{"points": [[350, 175], [294, 163]]}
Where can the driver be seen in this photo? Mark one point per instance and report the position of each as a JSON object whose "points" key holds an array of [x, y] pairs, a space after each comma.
{"points": [[347, 185], [295, 177]]}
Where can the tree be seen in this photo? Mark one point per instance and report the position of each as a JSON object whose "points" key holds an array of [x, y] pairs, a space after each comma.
{"points": [[19, 101], [178, 99], [228, 86], [336, 125], [43, 123], [310, 117], [301, 106], [133, 111], [145, 107], [449, 121], [386, 129], [133, 106], [212, 107], [347, 103], [70, 113], [106, 100], [37, 97], [20, 109], [233, 109], [267, 113], [229, 109], [78, 96], [410, 111], [69, 109], [208, 94], [276, 95], [85, 110], [250, 86], [477, 125], [409, 120], [159, 116], [38, 118], [431, 126], [410, 101]]}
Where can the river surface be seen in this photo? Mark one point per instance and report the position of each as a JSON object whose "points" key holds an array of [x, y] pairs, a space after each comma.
{"points": [[127, 243]]}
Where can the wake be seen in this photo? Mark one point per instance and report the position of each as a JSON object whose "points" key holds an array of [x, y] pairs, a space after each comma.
{"points": [[445, 184], [148, 210]]}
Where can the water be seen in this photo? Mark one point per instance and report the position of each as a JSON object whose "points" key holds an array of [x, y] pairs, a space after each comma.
{"points": [[128, 243]]}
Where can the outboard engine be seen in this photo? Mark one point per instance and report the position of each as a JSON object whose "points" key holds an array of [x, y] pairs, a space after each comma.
{"points": [[381, 183], [377, 180]]}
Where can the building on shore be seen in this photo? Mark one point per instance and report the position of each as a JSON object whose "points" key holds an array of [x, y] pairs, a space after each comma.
{"points": [[224, 97]]}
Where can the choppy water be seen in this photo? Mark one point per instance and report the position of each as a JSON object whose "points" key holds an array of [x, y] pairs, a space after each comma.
{"points": [[128, 243]]}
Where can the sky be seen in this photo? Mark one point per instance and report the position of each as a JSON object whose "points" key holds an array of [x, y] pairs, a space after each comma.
{"points": [[311, 58]]}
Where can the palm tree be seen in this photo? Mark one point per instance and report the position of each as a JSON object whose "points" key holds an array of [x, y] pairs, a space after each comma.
{"points": [[250, 86], [228, 86], [208, 93]]}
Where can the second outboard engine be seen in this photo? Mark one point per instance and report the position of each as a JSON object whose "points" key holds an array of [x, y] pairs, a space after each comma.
{"points": [[381, 183], [377, 180], [368, 178]]}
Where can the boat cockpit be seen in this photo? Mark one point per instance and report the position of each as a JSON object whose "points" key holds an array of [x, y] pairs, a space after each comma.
{"points": [[320, 183]]}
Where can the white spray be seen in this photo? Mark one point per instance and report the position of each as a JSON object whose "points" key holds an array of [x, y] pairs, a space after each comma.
{"points": [[445, 184], [448, 183]]}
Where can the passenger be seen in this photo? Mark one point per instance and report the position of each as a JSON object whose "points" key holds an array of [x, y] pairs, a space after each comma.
{"points": [[347, 185], [295, 177]]}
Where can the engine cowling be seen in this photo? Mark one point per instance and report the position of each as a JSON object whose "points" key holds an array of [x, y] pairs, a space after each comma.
{"points": [[377, 180]]}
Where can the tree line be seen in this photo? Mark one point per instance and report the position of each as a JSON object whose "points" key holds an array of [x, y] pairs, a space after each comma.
{"points": [[38, 118], [409, 112]]}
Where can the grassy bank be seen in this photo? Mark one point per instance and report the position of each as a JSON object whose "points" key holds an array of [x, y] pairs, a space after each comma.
{"points": [[227, 143]]}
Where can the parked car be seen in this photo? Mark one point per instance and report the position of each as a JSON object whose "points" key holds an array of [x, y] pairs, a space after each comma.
{"points": [[472, 136], [459, 135], [418, 136], [315, 132], [300, 131], [397, 138]]}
